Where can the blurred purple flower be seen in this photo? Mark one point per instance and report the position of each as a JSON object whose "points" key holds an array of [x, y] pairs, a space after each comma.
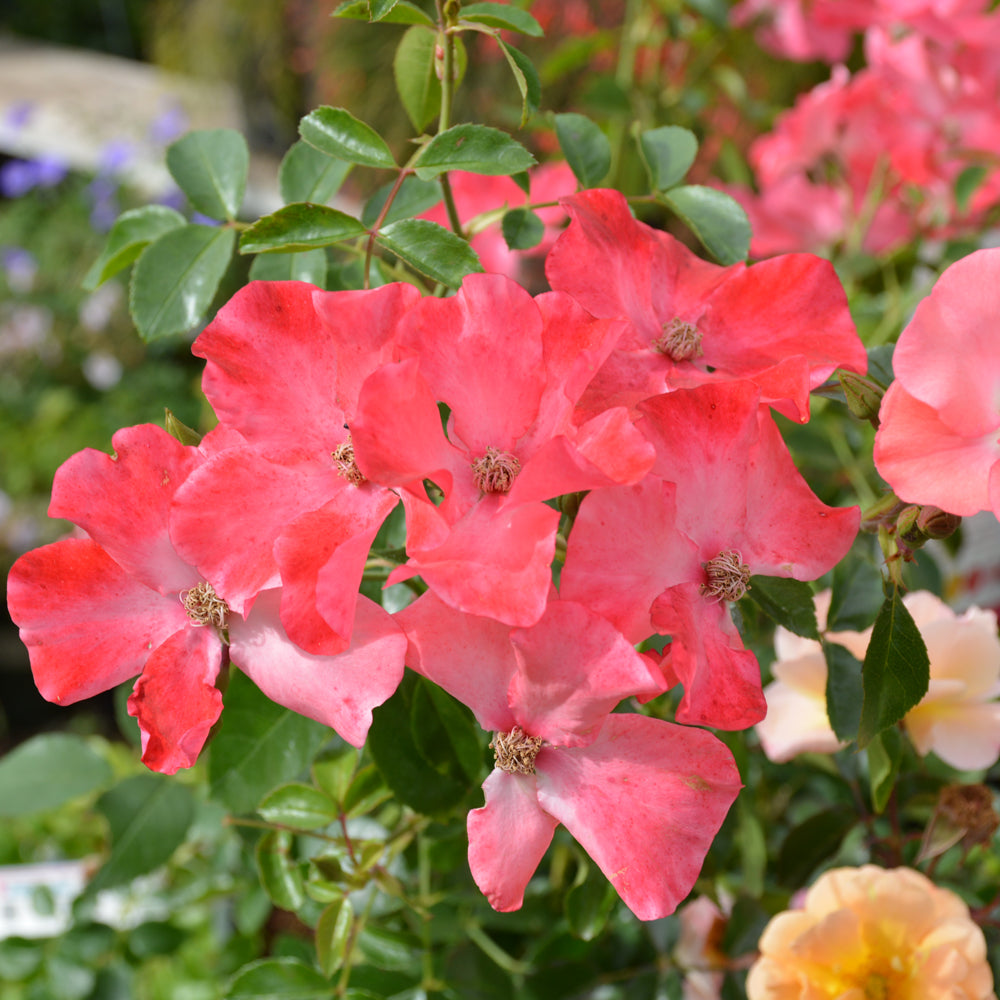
{"points": [[19, 267], [18, 177], [115, 156], [169, 124], [19, 114]]}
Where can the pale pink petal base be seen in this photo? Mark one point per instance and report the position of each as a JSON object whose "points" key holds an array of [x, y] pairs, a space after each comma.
{"points": [[507, 838], [339, 691]]}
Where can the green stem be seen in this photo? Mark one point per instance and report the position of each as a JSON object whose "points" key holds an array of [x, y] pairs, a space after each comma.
{"points": [[369, 249], [444, 118], [492, 950]]}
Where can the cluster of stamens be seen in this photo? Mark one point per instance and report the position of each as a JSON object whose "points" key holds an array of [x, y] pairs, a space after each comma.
{"points": [[204, 606], [728, 576], [343, 460], [680, 340], [515, 752], [496, 471]]}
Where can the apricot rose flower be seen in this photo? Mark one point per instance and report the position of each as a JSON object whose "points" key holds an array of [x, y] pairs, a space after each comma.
{"points": [[873, 932]]}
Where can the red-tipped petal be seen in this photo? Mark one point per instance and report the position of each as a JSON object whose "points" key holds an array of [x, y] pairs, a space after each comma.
{"points": [[175, 701], [87, 624]]}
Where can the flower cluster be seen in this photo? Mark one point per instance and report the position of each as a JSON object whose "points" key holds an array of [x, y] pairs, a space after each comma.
{"points": [[644, 380], [958, 719], [873, 932], [871, 159]]}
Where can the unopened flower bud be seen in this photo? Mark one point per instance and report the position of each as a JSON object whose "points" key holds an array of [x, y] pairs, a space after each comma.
{"points": [[863, 395], [907, 530], [937, 523]]}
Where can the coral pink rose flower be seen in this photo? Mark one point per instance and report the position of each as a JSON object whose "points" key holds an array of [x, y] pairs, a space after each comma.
{"points": [[284, 364], [939, 439], [782, 324], [509, 368], [95, 611], [643, 797], [723, 501], [873, 932]]}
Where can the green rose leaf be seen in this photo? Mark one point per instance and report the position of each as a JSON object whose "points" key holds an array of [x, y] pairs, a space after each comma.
{"points": [[526, 77], [856, 595], [522, 229], [811, 843], [381, 9], [415, 69], [425, 785], [500, 15], [585, 147], [715, 218], [336, 132], [446, 732], [788, 602], [333, 932], [417, 84], [259, 746], [129, 236], [306, 174], [278, 979], [279, 872], [430, 249], [478, 149], [211, 168], [844, 691], [885, 752], [367, 791], [309, 265], [149, 816], [48, 770], [300, 226], [667, 153], [896, 670], [589, 904], [176, 278], [299, 805], [966, 184], [401, 12]]}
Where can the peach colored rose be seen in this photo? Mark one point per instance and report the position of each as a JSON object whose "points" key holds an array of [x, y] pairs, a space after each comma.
{"points": [[958, 718], [871, 933]]}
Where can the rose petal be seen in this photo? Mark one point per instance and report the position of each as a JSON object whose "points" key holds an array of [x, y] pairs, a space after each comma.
{"points": [[175, 701], [644, 800], [87, 624], [339, 691], [123, 502], [507, 838], [573, 668]]}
